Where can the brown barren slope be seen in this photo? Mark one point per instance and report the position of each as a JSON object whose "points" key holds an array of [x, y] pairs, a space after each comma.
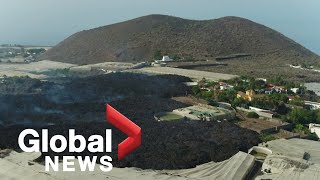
{"points": [[138, 40]]}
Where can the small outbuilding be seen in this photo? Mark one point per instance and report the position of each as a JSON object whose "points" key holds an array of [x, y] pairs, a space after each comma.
{"points": [[166, 59]]}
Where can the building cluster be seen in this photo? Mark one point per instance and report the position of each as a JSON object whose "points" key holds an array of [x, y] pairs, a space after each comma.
{"points": [[249, 95], [225, 86], [274, 89], [220, 86], [19, 54], [10, 52]]}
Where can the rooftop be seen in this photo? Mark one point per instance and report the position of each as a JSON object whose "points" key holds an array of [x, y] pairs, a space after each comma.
{"points": [[198, 112], [292, 159]]}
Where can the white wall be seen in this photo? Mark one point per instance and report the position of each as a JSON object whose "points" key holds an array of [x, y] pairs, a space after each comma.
{"points": [[315, 128]]}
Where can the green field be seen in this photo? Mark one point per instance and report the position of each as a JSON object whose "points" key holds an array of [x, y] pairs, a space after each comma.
{"points": [[169, 116]]}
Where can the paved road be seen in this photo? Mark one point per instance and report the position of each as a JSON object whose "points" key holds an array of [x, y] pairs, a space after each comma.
{"points": [[193, 74]]}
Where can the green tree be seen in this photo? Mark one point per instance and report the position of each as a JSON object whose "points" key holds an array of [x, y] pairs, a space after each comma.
{"points": [[295, 116], [266, 137], [176, 57], [317, 113], [157, 55], [253, 115], [207, 95], [36, 51], [239, 102], [302, 116], [279, 81], [299, 128], [209, 84], [227, 96], [196, 90], [274, 102], [297, 101]]}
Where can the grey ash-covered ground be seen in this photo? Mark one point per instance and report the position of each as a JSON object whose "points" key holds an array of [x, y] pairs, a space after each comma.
{"points": [[165, 145]]}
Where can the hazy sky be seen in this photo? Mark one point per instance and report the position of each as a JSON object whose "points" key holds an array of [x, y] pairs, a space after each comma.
{"points": [[47, 22]]}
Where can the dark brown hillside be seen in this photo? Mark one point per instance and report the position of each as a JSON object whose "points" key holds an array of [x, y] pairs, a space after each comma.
{"points": [[139, 39]]}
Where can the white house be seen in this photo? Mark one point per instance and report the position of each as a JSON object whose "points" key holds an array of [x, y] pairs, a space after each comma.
{"points": [[262, 79], [225, 86], [295, 90], [315, 128], [314, 105], [166, 59]]}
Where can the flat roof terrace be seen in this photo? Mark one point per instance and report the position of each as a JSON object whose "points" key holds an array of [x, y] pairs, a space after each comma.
{"points": [[205, 112], [262, 126]]}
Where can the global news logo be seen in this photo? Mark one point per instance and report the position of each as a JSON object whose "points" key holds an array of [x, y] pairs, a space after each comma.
{"points": [[94, 144]]}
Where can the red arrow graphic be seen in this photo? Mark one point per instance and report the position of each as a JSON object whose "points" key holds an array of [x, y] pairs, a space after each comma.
{"points": [[126, 126]]}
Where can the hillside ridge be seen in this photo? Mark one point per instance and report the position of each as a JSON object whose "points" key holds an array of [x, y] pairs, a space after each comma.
{"points": [[140, 39]]}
